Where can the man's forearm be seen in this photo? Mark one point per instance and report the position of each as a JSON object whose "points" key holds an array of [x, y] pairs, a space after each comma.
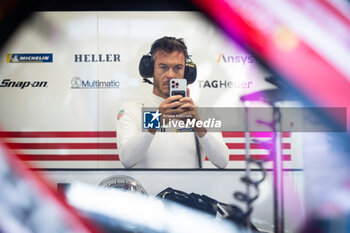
{"points": [[216, 149], [133, 151]]}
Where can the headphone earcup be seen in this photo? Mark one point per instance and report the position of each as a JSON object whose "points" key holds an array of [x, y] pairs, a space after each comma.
{"points": [[146, 66], [190, 72]]}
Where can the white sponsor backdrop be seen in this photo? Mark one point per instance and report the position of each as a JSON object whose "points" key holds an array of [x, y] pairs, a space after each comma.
{"points": [[60, 126]]}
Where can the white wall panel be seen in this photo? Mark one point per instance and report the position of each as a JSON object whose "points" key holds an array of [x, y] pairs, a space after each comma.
{"points": [[106, 47]]}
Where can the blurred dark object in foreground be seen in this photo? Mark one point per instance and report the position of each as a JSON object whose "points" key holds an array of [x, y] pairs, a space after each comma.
{"points": [[208, 205], [13, 13]]}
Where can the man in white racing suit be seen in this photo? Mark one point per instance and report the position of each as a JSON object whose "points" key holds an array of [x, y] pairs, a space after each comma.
{"points": [[154, 148]]}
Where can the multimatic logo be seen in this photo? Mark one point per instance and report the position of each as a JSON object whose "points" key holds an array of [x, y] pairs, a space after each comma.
{"points": [[29, 57], [78, 83], [235, 59], [96, 57], [22, 84]]}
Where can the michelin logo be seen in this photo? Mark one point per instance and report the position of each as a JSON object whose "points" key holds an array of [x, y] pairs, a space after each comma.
{"points": [[29, 57]]}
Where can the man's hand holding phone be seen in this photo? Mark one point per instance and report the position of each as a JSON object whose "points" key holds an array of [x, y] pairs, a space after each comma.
{"points": [[190, 112], [170, 108], [180, 105]]}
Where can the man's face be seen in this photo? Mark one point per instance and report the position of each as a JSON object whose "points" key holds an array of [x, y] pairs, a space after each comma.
{"points": [[167, 66]]}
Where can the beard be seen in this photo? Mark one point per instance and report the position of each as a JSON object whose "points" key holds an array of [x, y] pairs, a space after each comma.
{"points": [[161, 88]]}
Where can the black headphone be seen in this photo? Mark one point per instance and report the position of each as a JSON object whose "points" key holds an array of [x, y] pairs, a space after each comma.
{"points": [[146, 66]]}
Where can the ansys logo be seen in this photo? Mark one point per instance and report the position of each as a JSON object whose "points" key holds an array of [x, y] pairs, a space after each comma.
{"points": [[29, 57], [235, 59], [151, 119]]}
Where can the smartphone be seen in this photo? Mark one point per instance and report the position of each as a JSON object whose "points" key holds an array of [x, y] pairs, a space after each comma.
{"points": [[178, 87]]}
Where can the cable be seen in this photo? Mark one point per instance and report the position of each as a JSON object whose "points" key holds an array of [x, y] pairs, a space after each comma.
{"points": [[245, 197], [145, 80], [198, 150]]}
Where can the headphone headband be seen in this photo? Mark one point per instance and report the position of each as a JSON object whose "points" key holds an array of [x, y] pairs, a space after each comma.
{"points": [[169, 44]]}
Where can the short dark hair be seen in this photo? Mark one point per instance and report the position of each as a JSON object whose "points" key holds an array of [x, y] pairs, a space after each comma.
{"points": [[169, 44]]}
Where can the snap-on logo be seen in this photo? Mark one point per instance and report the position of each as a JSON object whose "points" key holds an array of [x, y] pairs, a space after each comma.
{"points": [[22, 84]]}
